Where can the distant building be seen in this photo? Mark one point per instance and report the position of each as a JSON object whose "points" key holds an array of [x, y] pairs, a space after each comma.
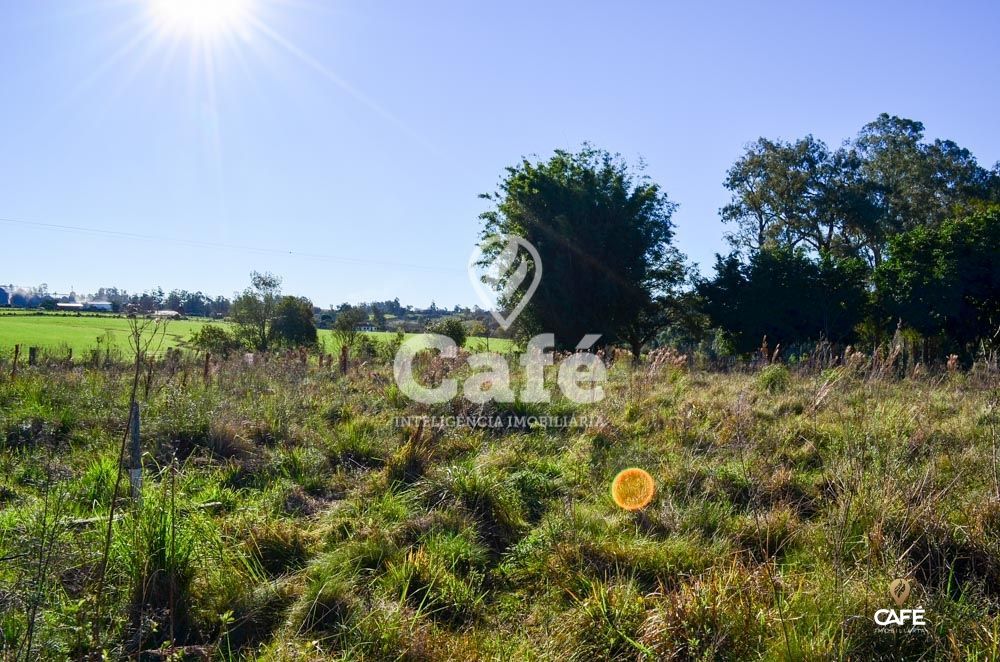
{"points": [[366, 327], [166, 314], [85, 305]]}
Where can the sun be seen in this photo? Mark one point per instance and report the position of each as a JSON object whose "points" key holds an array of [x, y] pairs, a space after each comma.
{"points": [[200, 17]]}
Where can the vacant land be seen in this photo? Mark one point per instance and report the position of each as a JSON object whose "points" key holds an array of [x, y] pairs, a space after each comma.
{"points": [[285, 516], [55, 332], [59, 333]]}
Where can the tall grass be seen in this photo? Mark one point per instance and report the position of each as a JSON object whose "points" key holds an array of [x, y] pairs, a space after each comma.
{"points": [[284, 517]]}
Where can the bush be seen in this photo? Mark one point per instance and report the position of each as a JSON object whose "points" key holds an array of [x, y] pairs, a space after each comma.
{"points": [[452, 328], [215, 339], [293, 324], [774, 378]]}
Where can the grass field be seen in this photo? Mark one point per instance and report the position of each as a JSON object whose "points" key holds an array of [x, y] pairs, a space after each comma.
{"points": [[286, 516], [60, 331], [57, 333]]}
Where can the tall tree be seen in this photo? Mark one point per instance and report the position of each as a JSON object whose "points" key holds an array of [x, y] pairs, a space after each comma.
{"points": [[915, 183], [848, 202], [604, 235], [293, 324], [784, 295], [944, 281], [345, 326], [253, 310]]}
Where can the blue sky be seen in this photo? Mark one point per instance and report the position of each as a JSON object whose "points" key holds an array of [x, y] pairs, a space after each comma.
{"points": [[342, 145]]}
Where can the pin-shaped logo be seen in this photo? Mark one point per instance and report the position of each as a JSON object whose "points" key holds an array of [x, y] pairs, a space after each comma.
{"points": [[899, 589], [498, 268]]}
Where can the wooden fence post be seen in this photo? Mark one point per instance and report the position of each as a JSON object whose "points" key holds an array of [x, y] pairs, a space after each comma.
{"points": [[17, 354], [135, 462], [32, 355], [208, 367], [343, 360]]}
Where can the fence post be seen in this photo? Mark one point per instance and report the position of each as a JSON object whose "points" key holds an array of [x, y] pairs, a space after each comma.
{"points": [[135, 463], [343, 360], [32, 355], [17, 354], [208, 366]]}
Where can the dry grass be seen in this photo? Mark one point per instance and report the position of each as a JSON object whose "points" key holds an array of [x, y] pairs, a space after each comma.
{"points": [[300, 524]]}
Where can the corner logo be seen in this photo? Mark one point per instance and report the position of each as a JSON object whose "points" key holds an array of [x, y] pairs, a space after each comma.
{"points": [[499, 263], [899, 591]]}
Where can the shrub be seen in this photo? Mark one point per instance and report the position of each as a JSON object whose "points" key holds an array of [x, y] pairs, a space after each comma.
{"points": [[215, 339], [774, 378], [452, 328], [293, 325]]}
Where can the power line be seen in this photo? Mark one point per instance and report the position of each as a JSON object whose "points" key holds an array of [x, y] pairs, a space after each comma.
{"points": [[219, 245]]}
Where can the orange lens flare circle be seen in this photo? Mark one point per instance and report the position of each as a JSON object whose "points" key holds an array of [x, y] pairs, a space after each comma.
{"points": [[632, 489]]}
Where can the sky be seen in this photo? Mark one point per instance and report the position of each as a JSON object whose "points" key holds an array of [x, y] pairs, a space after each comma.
{"points": [[343, 145]]}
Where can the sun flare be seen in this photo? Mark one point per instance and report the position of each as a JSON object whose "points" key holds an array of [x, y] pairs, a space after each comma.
{"points": [[200, 17], [632, 489]]}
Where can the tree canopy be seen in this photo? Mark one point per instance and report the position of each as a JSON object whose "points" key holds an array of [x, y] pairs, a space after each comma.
{"points": [[604, 234], [944, 281], [784, 295], [265, 319], [848, 202], [293, 324]]}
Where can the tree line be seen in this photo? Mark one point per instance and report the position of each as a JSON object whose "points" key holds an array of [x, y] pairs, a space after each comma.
{"points": [[194, 304], [888, 233]]}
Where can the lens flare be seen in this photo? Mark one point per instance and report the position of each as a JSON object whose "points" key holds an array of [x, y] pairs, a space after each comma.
{"points": [[632, 489]]}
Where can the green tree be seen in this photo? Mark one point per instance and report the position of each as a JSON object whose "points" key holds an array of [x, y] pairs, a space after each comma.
{"points": [[944, 282], [452, 328], [848, 202], [253, 310], [475, 328], [604, 235], [379, 317], [345, 326], [215, 339], [293, 324], [916, 183], [788, 297]]}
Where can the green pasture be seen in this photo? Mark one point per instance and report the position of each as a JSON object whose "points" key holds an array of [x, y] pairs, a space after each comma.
{"points": [[61, 332]]}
